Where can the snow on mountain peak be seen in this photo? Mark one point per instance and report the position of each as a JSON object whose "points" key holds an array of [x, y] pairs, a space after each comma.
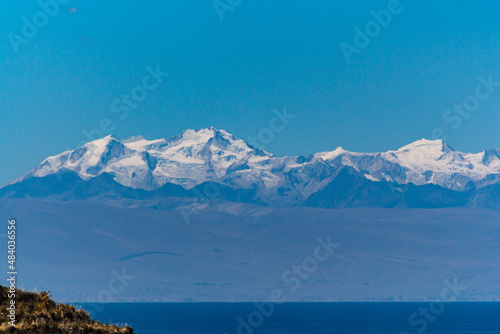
{"points": [[134, 139], [187, 159], [431, 146], [331, 154], [203, 136], [213, 155]]}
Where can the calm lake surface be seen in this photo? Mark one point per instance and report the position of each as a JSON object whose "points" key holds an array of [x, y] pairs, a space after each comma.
{"points": [[352, 318]]}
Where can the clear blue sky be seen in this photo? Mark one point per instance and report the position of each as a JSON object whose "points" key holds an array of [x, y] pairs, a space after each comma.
{"points": [[231, 74]]}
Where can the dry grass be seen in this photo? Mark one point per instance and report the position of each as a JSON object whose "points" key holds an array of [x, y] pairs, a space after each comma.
{"points": [[37, 313]]}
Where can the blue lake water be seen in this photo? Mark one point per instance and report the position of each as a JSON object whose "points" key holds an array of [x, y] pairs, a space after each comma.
{"points": [[342, 318]]}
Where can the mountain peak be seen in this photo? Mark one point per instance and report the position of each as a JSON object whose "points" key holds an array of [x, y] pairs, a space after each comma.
{"points": [[110, 138], [331, 154], [431, 146], [202, 135], [209, 132], [134, 139], [489, 156], [102, 142]]}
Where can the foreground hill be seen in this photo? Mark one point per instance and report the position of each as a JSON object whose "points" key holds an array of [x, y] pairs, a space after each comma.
{"points": [[36, 313]]}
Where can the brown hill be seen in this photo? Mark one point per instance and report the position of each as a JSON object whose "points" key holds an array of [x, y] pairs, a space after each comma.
{"points": [[37, 313]]}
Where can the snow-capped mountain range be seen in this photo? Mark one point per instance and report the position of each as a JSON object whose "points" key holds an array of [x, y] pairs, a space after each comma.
{"points": [[196, 157]]}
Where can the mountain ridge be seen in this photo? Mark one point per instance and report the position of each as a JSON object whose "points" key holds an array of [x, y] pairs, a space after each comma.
{"points": [[214, 156]]}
